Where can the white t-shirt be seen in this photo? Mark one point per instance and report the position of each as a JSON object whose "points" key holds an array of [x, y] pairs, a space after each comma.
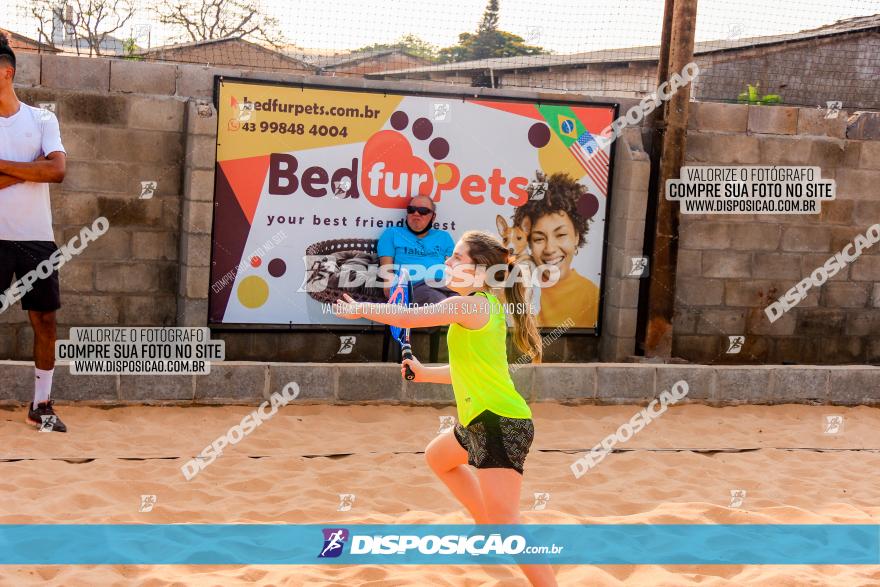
{"points": [[25, 211]]}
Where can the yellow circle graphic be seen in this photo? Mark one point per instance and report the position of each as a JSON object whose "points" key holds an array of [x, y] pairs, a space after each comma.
{"points": [[442, 173], [253, 292]]}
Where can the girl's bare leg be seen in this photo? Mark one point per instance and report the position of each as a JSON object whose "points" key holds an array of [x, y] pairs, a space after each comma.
{"points": [[501, 490], [448, 460]]}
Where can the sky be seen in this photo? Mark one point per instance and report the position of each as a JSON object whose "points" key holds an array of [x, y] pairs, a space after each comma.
{"points": [[563, 26]]}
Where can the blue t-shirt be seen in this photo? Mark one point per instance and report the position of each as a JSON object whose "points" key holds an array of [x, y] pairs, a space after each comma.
{"points": [[409, 250]]}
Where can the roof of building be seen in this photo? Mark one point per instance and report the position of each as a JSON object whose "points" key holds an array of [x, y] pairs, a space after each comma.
{"points": [[109, 45], [643, 53], [16, 40], [331, 61], [155, 51]]}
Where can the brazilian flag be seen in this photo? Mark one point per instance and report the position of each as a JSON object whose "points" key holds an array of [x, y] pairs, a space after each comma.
{"points": [[563, 121]]}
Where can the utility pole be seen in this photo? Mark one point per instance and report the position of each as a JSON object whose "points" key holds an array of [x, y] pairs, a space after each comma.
{"points": [[676, 51]]}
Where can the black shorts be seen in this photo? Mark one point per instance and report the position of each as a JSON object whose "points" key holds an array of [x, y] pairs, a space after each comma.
{"points": [[496, 442], [17, 258]]}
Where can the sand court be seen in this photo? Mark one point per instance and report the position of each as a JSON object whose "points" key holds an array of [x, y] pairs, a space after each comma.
{"points": [[294, 467]]}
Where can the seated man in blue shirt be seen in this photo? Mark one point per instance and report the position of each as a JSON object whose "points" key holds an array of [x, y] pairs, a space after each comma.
{"points": [[418, 246]]}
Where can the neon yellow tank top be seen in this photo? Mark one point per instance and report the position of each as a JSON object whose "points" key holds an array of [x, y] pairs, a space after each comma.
{"points": [[479, 371]]}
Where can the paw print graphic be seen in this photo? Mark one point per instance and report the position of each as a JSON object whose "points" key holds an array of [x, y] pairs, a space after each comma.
{"points": [[422, 129], [392, 172]]}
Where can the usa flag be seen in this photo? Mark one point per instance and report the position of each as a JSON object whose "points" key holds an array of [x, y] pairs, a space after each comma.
{"points": [[594, 160]]}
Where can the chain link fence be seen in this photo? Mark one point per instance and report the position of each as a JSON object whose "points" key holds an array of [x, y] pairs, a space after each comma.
{"points": [[812, 52]]}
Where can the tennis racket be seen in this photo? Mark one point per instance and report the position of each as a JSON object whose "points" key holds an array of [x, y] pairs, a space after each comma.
{"points": [[401, 294]]}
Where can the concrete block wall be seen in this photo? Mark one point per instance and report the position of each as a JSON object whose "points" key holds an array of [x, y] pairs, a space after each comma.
{"points": [[124, 122], [196, 213], [236, 382], [730, 267], [152, 267], [809, 72], [625, 239], [113, 142], [634, 81]]}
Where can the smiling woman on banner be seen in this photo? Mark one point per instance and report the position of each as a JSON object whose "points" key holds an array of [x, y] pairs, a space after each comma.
{"points": [[558, 228]]}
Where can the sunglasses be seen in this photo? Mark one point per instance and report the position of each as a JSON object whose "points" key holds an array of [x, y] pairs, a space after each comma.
{"points": [[418, 209]]}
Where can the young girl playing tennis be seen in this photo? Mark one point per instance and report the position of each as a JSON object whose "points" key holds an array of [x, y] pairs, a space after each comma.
{"points": [[495, 428]]}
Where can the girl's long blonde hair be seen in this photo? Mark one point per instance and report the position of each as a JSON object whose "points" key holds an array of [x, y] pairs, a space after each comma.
{"points": [[486, 250]]}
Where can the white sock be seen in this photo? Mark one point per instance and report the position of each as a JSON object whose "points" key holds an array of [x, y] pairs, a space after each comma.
{"points": [[42, 385]]}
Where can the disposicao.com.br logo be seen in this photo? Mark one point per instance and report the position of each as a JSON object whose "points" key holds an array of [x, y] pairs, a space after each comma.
{"points": [[447, 544], [334, 542]]}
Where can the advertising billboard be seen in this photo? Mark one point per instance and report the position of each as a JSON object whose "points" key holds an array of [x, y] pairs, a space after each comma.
{"points": [[308, 178]]}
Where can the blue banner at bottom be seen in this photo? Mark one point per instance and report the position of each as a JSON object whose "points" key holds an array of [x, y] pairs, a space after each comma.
{"points": [[431, 544]]}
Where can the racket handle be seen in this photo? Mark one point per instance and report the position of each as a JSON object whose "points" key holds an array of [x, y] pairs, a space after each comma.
{"points": [[406, 353]]}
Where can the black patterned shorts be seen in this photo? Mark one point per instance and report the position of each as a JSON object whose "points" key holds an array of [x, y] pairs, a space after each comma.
{"points": [[496, 442]]}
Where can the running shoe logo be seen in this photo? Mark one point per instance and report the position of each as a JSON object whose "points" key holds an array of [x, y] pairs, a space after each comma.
{"points": [[334, 541]]}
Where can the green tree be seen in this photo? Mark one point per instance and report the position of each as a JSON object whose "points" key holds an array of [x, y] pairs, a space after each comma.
{"points": [[488, 41], [129, 47], [409, 43], [752, 96]]}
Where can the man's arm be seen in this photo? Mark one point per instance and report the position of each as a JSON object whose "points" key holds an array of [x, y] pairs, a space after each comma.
{"points": [[383, 261], [8, 180], [48, 169]]}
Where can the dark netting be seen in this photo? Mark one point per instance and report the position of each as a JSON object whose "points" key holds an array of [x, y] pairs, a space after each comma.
{"points": [[812, 52]]}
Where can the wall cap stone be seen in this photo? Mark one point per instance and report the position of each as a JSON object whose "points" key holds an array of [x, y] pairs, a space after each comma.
{"points": [[763, 381]]}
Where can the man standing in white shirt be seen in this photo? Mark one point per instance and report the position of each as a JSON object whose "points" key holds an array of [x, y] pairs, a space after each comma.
{"points": [[31, 157]]}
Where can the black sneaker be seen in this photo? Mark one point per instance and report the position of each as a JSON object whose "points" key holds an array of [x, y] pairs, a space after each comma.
{"points": [[45, 418]]}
